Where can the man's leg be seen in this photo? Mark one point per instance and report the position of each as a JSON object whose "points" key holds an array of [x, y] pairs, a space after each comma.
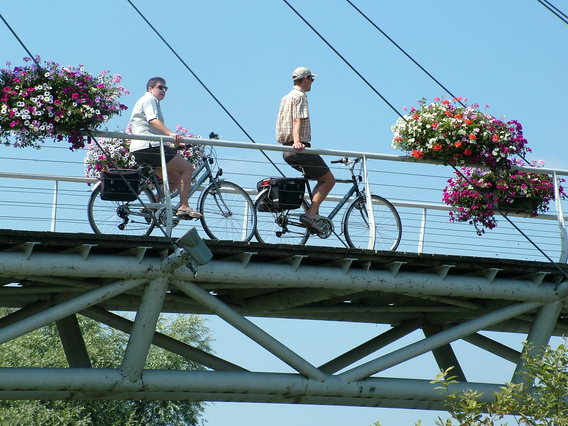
{"points": [[322, 188], [179, 172]]}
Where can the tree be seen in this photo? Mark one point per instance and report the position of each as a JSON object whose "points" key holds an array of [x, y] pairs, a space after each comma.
{"points": [[42, 348], [541, 398]]}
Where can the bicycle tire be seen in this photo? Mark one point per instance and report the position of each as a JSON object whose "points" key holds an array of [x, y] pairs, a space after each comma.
{"points": [[105, 216], [271, 227], [228, 212], [388, 227]]}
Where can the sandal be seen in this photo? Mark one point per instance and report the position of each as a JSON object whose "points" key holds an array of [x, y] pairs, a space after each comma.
{"points": [[311, 222], [188, 213]]}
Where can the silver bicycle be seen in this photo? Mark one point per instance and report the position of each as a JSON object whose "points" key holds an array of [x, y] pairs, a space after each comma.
{"points": [[228, 211], [277, 224]]}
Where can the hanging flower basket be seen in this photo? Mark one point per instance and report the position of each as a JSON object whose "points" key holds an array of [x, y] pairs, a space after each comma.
{"points": [[520, 205], [54, 101], [478, 194], [448, 132]]}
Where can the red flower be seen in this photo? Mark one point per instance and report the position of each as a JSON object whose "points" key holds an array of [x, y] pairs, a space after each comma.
{"points": [[437, 147], [415, 116], [467, 152], [458, 144], [472, 137], [417, 153], [495, 138]]}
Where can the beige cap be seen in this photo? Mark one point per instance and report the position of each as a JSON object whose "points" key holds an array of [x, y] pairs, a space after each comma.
{"points": [[302, 72]]}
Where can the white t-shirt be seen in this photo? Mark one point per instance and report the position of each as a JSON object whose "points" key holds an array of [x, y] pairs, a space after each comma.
{"points": [[147, 108]]}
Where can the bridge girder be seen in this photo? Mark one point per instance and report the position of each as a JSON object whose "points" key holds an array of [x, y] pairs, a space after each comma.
{"points": [[53, 277]]}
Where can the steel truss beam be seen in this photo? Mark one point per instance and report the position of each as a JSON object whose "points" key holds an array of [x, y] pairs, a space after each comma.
{"points": [[54, 285]]}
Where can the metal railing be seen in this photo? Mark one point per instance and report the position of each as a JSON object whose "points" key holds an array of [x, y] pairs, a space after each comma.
{"points": [[423, 226]]}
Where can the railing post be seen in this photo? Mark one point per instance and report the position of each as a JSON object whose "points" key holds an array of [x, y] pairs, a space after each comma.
{"points": [[422, 231], [166, 182], [372, 228], [54, 206], [561, 224]]}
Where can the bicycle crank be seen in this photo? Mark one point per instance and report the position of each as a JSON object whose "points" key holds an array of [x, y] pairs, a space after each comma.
{"points": [[327, 227]]}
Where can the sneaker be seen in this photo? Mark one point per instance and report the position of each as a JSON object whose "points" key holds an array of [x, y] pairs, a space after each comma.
{"points": [[188, 213], [311, 222]]}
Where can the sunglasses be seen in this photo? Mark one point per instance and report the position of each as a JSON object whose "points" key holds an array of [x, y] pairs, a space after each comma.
{"points": [[160, 87]]}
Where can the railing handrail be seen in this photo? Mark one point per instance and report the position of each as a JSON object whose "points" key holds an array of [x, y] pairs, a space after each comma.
{"points": [[278, 147], [252, 192]]}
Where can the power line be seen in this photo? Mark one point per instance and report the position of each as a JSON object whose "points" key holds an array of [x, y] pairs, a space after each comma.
{"points": [[345, 60], [201, 82], [559, 14], [20, 41], [403, 51]]}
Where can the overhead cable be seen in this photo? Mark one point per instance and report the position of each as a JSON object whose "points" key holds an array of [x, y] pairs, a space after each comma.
{"points": [[201, 82], [559, 14], [404, 51], [32, 57], [345, 60]]}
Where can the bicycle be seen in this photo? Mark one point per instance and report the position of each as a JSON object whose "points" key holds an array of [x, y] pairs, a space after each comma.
{"points": [[228, 211], [282, 225]]}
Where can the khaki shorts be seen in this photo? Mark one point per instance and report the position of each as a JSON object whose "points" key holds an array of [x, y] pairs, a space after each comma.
{"points": [[311, 165]]}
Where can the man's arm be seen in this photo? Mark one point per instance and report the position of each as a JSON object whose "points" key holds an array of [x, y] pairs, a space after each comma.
{"points": [[157, 124], [296, 125]]}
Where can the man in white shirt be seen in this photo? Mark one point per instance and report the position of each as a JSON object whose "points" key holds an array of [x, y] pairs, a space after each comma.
{"points": [[147, 119]]}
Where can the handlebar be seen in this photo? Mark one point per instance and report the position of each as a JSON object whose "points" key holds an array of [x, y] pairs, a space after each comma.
{"points": [[345, 161]]}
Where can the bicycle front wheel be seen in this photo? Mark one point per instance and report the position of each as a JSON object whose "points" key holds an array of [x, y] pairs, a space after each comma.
{"points": [[228, 212], [357, 229], [274, 227], [120, 217]]}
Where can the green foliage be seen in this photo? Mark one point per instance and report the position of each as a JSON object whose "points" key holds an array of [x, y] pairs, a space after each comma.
{"points": [[541, 398], [42, 348]]}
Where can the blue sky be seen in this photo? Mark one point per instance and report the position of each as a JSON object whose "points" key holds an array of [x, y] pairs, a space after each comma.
{"points": [[508, 54]]}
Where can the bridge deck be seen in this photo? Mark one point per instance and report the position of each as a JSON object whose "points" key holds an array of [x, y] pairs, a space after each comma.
{"points": [[362, 286]]}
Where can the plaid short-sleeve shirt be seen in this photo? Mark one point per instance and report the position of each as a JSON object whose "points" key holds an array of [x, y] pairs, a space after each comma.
{"points": [[293, 105]]}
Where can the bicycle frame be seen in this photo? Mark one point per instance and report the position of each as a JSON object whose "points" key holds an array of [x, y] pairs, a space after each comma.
{"points": [[353, 190], [196, 185]]}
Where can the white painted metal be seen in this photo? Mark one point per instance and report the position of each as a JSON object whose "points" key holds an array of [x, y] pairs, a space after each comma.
{"points": [[65, 309], [143, 329], [54, 206], [251, 330], [370, 210], [257, 275], [437, 340], [166, 182], [561, 221]]}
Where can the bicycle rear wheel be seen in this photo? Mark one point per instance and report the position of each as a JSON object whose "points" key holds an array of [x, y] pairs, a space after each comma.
{"points": [[274, 227], [119, 217], [228, 212], [388, 227]]}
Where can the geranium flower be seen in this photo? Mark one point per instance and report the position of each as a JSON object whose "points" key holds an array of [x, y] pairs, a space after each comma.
{"points": [[483, 139]]}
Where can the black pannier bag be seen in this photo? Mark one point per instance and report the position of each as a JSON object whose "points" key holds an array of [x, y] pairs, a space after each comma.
{"points": [[120, 184], [285, 193]]}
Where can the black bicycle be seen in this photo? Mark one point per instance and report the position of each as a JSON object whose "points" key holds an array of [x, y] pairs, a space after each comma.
{"points": [[278, 219], [228, 211]]}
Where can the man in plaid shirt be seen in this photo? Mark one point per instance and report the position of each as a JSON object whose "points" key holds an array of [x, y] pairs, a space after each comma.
{"points": [[293, 129]]}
